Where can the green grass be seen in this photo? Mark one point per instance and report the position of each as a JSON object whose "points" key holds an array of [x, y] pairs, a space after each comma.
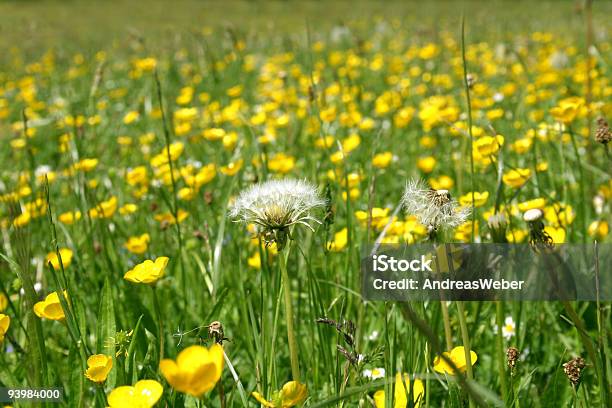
{"points": [[360, 56]]}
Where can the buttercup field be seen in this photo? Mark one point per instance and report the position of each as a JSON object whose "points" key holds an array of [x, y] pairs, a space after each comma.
{"points": [[188, 190]]}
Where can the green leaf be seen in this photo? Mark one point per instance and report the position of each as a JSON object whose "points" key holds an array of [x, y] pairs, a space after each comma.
{"points": [[107, 330]]}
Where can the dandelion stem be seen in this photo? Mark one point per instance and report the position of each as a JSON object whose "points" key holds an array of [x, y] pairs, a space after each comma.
{"points": [[293, 347]]}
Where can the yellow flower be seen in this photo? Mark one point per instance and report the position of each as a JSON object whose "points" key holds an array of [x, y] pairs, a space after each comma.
{"points": [[3, 302], [340, 240], [426, 164], [50, 308], [293, 393], [131, 117], [52, 257], [5, 321], [98, 367], [457, 356], [382, 160], [479, 199], [556, 233], [516, 235], [402, 390], [196, 370], [441, 183], [232, 168], [86, 165], [568, 109], [597, 230], [281, 163], [213, 134], [255, 261], [538, 203], [351, 143], [138, 244], [516, 177], [147, 271], [105, 209], [129, 208], [488, 145], [69, 217], [144, 394], [168, 218]]}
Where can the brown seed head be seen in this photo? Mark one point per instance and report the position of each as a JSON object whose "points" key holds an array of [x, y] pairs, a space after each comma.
{"points": [[603, 134], [573, 369]]}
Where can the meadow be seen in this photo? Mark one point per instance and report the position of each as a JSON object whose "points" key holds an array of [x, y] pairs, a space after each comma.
{"points": [[187, 189]]}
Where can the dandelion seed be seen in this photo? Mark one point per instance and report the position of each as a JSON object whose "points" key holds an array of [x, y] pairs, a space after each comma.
{"points": [[276, 205], [433, 208]]}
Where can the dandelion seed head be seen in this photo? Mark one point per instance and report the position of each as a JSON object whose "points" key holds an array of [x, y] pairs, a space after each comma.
{"points": [[275, 205], [532, 215], [433, 208]]}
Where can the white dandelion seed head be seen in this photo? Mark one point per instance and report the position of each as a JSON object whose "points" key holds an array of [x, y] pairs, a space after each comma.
{"points": [[433, 208], [533, 215], [275, 205]]}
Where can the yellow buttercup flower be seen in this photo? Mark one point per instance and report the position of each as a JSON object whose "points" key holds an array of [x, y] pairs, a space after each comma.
{"points": [[516, 177], [197, 369], [402, 390], [50, 308], [138, 244], [340, 240], [144, 394], [382, 160], [98, 367], [5, 322], [568, 109], [105, 209], [3, 302], [293, 393], [426, 164], [480, 198], [597, 230], [69, 217], [168, 218], [457, 356], [281, 163], [147, 271], [66, 255]]}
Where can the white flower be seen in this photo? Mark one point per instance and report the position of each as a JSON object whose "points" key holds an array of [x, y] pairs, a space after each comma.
{"points": [[276, 205], [374, 373], [509, 329], [373, 336], [433, 208]]}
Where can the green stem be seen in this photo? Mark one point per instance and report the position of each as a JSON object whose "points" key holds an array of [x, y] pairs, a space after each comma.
{"points": [[293, 347], [501, 360], [160, 323], [583, 209], [466, 344]]}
